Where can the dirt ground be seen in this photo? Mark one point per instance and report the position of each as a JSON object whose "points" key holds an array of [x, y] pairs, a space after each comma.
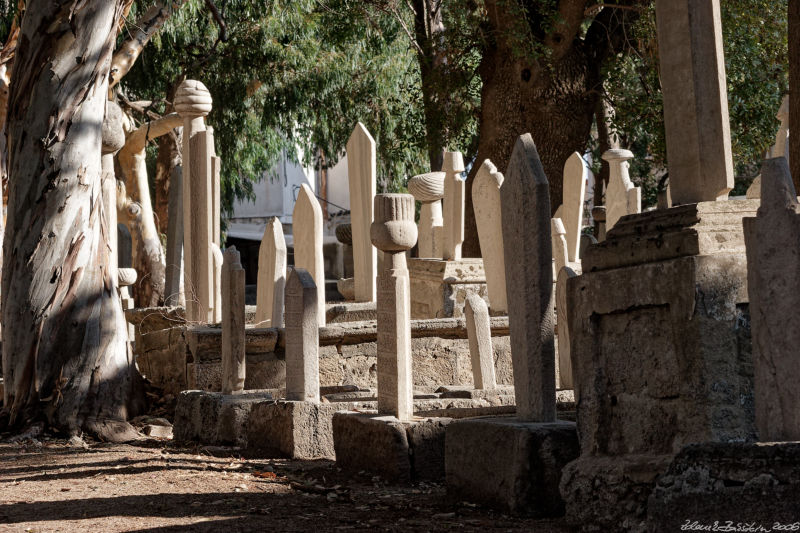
{"points": [[50, 485]]}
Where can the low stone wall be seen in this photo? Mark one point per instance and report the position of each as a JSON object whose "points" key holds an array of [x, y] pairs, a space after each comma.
{"points": [[181, 357]]}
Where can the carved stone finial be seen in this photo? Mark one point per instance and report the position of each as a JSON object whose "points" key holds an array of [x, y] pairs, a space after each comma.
{"points": [[393, 229], [428, 187], [192, 100]]}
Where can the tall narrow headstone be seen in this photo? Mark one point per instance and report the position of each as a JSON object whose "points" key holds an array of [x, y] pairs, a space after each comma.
{"points": [[692, 69], [361, 170], [124, 247], [486, 203], [622, 197], [428, 190], [193, 103], [772, 239], [393, 231], [233, 340], [271, 276], [454, 186], [172, 288], [307, 230], [562, 321], [479, 332], [559, 236], [781, 146], [525, 198], [217, 263], [302, 337], [576, 173]]}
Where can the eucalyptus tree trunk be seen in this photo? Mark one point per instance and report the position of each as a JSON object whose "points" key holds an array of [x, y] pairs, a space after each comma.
{"points": [[794, 89], [65, 355]]}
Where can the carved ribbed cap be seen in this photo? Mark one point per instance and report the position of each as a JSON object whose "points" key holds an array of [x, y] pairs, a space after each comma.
{"points": [[428, 187], [393, 229], [192, 100], [126, 276]]}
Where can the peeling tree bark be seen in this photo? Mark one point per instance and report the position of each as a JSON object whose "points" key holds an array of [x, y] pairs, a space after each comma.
{"points": [[148, 254], [553, 97], [65, 355]]}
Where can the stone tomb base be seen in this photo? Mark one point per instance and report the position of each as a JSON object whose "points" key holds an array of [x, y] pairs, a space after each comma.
{"points": [[439, 288], [298, 430], [757, 484], [213, 417], [397, 451], [512, 465]]}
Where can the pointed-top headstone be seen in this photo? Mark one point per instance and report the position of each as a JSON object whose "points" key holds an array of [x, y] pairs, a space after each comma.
{"points": [[576, 173], [525, 197], [307, 230], [361, 170], [773, 287], [302, 338], [486, 203], [233, 344], [453, 166], [271, 276]]}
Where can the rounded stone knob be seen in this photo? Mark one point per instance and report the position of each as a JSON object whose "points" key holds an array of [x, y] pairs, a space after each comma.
{"points": [[599, 213], [126, 276], [617, 154], [428, 187], [192, 100], [393, 229]]}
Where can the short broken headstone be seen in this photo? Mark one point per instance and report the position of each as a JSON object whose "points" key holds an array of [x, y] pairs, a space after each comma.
{"points": [[302, 337], [479, 332], [233, 342]]}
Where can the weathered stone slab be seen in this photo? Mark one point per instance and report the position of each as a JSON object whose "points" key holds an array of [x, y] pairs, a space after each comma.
{"points": [[297, 430], [529, 282], [488, 219], [773, 286], [440, 288], [173, 291], [696, 120], [480, 343], [397, 451], [505, 463], [271, 276], [233, 338], [302, 338], [307, 230], [564, 350], [560, 255], [744, 483], [454, 190], [361, 173], [214, 418]]}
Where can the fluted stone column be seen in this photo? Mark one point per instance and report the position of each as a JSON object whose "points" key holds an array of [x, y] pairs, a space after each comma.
{"points": [[393, 231]]}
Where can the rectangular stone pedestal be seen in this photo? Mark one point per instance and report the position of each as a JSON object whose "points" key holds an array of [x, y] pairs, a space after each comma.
{"points": [[439, 288], [512, 465], [660, 346], [214, 418], [297, 430], [397, 451], [746, 483]]}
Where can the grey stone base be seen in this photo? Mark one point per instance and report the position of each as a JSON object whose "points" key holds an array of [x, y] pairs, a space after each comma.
{"points": [[754, 483], [213, 417], [383, 445], [512, 465], [298, 430], [610, 493]]}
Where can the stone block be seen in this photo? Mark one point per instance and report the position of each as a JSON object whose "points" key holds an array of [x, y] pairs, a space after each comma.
{"points": [[297, 430], [214, 418], [748, 483], [610, 493], [397, 451], [512, 465], [439, 288]]}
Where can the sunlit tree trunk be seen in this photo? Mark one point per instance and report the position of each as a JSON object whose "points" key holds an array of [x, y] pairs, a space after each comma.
{"points": [[65, 356]]}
